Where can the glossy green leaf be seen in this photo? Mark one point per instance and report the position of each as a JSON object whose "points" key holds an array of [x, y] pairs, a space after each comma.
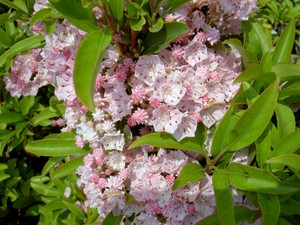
{"points": [[223, 198], [68, 168], [290, 160], [44, 189], [36, 41], [11, 117], [221, 137], [75, 210], [174, 4], [190, 173], [16, 4], [270, 207], [241, 213], [266, 63], [264, 106], [50, 164], [285, 119], [286, 71], [250, 73], [3, 166], [116, 8], [250, 38], [252, 179], [250, 93], [263, 146], [290, 206], [4, 177], [110, 219], [47, 114], [262, 38], [86, 68], [165, 140], [74, 12], [283, 49], [40, 15], [54, 147], [289, 90], [52, 206], [26, 103], [248, 58], [288, 145], [154, 42]]}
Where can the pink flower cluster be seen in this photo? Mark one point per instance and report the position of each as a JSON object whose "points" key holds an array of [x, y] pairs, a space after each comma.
{"points": [[141, 184]]}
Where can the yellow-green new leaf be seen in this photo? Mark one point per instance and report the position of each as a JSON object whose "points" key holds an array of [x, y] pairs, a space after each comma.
{"points": [[87, 63]]}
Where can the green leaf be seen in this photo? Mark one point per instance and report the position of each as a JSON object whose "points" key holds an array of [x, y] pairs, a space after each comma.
{"points": [[68, 168], [283, 49], [75, 210], [223, 198], [221, 137], [290, 160], [190, 173], [74, 12], [241, 213], [250, 73], [266, 62], [165, 140], [23, 45], [137, 25], [16, 4], [157, 26], [26, 103], [270, 208], [290, 206], [52, 206], [50, 164], [262, 38], [286, 72], [11, 117], [3, 166], [288, 145], [174, 4], [87, 68], [250, 38], [4, 177], [110, 219], [285, 119], [248, 58], [47, 114], [116, 8], [154, 42], [247, 178], [263, 147], [54, 147], [40, 15], [44, 189], [289, 90], [264, 106]]}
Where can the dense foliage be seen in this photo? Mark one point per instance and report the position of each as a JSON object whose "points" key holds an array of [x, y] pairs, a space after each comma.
{"points": [[149, 112]]}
